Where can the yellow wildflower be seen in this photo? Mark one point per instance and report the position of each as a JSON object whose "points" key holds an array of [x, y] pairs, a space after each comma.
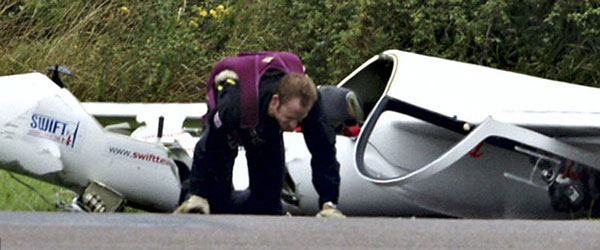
{"points": [[213, 13], [220, 7], [194, 24], [203, 13], [125, 9]]}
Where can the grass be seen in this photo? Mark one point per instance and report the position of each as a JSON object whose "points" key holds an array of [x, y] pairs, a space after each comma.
{"points": [[23, 193], [16, 194]]}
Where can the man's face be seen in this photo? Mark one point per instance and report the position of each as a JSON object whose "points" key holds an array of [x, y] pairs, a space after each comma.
{"points": [[288, 114]]}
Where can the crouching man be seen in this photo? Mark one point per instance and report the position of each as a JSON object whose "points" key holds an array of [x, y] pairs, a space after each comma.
{"points": [[253, 98]]}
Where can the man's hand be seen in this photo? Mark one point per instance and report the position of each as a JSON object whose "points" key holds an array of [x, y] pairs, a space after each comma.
{"points": [[195, 204], [329, 210]]}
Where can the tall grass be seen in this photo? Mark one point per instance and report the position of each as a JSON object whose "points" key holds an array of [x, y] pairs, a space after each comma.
{"points": [[162, 51]]}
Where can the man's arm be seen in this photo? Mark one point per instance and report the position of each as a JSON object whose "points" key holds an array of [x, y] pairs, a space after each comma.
{"points": [[320, 140]]}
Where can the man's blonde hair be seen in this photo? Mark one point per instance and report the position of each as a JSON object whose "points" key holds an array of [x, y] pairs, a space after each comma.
{"points": [[296, 85]]}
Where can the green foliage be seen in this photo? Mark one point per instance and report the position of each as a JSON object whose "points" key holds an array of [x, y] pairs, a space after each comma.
{"points": [[162, 51], [551, 39]]}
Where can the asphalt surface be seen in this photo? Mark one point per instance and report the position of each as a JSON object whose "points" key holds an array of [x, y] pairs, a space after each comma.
{"points": [[33, 230]]}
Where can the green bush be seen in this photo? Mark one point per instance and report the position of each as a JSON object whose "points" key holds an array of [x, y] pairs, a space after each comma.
{"points": [[162, 51]]}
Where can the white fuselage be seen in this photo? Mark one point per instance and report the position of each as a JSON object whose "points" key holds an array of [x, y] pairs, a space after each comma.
{"points": [[46, 134]]}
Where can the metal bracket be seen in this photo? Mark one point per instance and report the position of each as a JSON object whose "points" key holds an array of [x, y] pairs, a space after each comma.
{"points": [[100, 198]]}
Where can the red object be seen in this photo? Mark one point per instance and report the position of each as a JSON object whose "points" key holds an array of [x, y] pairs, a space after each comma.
{"points": [[298, 129], [351, 131], [476, 152]]}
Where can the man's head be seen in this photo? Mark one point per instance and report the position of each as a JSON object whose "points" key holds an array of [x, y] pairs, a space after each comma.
{"points": [[293, 98]]}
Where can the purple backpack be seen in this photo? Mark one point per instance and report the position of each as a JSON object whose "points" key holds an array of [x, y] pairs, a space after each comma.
{"points": [[250, 67]]}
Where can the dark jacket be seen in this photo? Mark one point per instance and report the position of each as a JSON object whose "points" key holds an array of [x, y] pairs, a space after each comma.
{"points": [[318, 135]]}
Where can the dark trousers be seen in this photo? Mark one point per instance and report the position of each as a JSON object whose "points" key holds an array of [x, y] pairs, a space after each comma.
{"points": [[211, 175]]}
